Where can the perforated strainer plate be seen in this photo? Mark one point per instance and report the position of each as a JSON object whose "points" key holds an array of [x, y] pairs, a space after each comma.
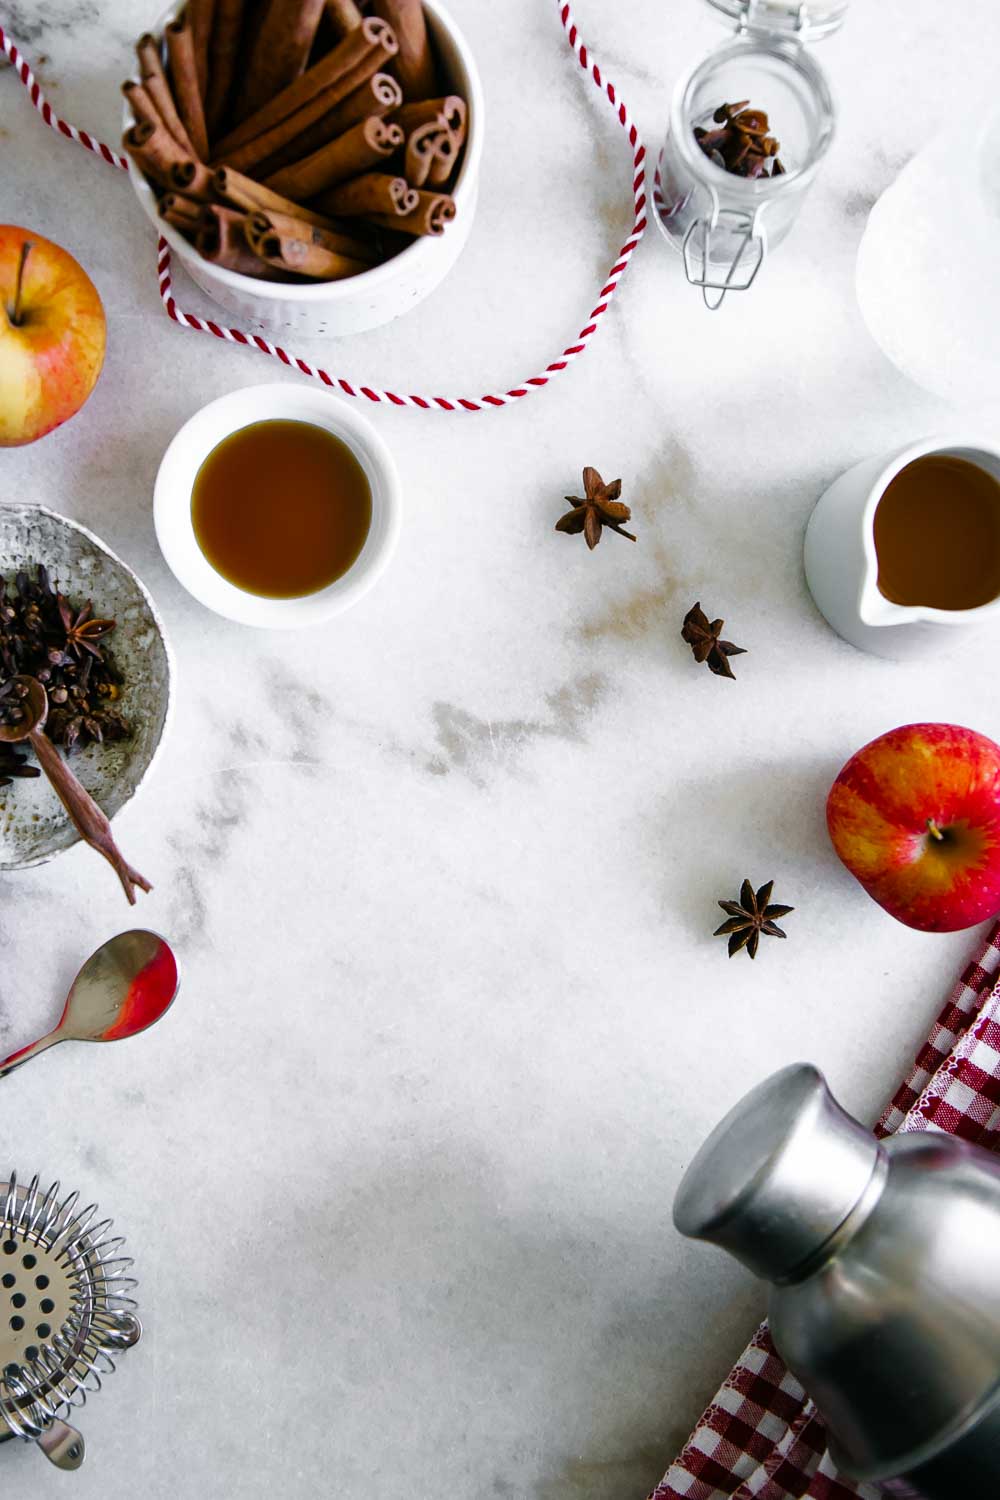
{"points": [[36, 1296], [65, 1306]]}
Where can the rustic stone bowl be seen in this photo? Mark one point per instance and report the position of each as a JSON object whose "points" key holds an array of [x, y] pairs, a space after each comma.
{"points": [[33, 825]]}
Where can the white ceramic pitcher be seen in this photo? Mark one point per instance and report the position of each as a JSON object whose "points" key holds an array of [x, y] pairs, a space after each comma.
{"points": [[842, 567]]}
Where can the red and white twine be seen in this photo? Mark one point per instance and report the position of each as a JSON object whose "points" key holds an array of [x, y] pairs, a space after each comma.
{"points": [[338, 383]]}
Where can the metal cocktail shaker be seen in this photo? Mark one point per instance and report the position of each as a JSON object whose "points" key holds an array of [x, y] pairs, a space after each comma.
{"points": [[885, 1263]]}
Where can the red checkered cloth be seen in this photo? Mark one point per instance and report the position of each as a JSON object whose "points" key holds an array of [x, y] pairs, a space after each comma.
{"points": [[761, 1439]]}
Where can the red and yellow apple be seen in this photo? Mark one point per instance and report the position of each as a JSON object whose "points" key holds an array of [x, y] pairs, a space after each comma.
{"points": [[52, 336], [915, 816]]}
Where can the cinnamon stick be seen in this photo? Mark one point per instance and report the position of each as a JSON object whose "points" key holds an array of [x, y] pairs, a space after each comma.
{"points": [[431, 216], [433, 155], [279, 52], [154, 150], [243, 192], [336, 240], [220, 238], [362, 52], [223, 53], [182, 213], [343, 15], [444, 158], [201, 14], [450, 108], [296, 226], [154, 81], [293, 254], [414, 66], [358, 149], [378, 95], [140, 103], [193, 179], [376, 193], [421, 145], [183, 74]]}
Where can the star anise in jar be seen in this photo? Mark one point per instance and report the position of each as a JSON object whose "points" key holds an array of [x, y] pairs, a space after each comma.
{"points": [[599, 506], [741, 144], [750, 916], [704, 637]]}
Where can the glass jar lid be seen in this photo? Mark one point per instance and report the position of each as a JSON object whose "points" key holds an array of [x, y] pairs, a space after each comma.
{"points": [[783, 18]]}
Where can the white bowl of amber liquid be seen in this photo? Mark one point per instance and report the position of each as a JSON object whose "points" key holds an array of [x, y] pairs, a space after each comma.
{"points": [[277, 506]]}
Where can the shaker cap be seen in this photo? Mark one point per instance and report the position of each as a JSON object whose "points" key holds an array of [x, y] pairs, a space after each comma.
{"points": [[779, 1175]]}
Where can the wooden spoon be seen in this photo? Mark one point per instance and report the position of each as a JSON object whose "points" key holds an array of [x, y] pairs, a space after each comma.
{"points": [[87, 817]]}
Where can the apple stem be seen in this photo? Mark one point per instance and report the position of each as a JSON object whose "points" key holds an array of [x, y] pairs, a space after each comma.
{"points": [[934, 830], [14, 311]]}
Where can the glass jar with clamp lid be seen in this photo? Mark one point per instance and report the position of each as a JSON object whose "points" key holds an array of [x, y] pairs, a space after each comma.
{"points": [[749, 127]]}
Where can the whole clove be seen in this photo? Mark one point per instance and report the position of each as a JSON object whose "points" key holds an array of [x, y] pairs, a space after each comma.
{"points": [[13, 765], [63, 645]]}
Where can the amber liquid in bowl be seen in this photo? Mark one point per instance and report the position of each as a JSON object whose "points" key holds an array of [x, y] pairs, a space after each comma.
{"points": [[281, 508], [937, 535]]}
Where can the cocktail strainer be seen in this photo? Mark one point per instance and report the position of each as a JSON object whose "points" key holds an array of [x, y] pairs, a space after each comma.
{"points": [[65, 1307]]}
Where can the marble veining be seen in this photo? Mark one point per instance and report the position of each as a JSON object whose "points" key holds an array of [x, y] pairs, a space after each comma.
{"points": [[397, 1168], [466, 741]]}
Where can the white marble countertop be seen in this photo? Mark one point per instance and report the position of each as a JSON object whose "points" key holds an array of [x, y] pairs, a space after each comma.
{"points": [[397, 1170]]}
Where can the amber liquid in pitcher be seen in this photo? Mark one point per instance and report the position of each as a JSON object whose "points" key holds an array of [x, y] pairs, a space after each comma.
{"points": [[937, 534], [281, 508]]}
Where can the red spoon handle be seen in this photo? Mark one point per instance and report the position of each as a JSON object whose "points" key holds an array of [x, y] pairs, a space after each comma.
{"points": [[17, 1058], [87, 817]]}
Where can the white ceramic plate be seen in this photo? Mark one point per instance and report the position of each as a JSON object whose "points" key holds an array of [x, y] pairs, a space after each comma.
{"points": [[33, 824]]}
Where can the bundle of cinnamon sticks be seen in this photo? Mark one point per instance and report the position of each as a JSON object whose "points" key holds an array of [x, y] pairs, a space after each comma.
{"points": [[297, 139]]}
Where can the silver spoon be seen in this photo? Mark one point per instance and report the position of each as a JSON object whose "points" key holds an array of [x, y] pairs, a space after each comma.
{"points": [[87, 817], [123, 988]]}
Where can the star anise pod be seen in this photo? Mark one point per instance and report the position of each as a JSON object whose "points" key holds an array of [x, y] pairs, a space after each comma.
{"points": [[725, 112], [748, 917], [703, 636], [83, 632], [599, 507], [741, 144]]}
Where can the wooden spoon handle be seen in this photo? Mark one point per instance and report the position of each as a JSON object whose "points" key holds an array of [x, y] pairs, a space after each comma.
{"points": [[87, 817]]}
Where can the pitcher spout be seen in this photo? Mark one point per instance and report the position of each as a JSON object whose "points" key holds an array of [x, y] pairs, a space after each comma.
{"points": [[877, 611]]}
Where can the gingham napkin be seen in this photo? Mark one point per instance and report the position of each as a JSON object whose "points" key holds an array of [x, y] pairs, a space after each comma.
{"points": [[761, 1439]]}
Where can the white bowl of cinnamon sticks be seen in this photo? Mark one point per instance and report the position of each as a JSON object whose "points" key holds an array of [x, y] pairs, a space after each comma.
{"points": [[313, 163]]}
